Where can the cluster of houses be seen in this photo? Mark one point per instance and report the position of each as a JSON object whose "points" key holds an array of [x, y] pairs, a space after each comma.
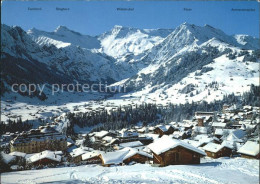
{"points": [[234, 132]]}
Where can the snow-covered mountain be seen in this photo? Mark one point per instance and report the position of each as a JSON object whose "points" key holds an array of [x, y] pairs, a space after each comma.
{"points": [[62, 37], [189, 63], [71, 60], [123, 43]]}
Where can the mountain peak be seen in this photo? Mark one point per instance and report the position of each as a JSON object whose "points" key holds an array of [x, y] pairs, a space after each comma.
{"points": [[61, 28], [64, 30], [117, 27]]}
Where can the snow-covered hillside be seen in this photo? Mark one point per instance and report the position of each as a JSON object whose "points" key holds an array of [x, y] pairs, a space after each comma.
{"points": [[210, 171]]}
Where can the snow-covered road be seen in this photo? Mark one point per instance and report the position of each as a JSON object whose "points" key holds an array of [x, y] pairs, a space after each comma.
{"points": [[210, 171]]}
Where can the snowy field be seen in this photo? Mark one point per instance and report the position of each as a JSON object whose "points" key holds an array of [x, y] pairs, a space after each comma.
{"points": [[215, 171]]}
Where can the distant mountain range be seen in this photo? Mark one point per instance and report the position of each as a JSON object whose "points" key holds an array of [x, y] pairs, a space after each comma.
{"points": [[185, 64]]}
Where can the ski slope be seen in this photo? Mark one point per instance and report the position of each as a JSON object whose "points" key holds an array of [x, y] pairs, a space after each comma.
{"points": [[210, 171]]}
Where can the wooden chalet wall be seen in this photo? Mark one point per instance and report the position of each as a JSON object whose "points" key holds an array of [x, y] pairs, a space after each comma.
{"points": [[224, 152], [44, 161], [137, 158], [161, 133], [93, 160], [251, 157], [176, 156]]}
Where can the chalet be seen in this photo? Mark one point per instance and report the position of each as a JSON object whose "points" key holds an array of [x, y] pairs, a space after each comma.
{"points": [[143, 130], [168, 151], [18, 154], [225, 107], [220, 132], [92, 157], [76, 154], [216, 150], [128, 144], [218, 125], [108, 141], [7, 158], [44, 158], [236, 135], [205, 139], [124, 156], [247, 108], [200, 130], [151, 129], [127, 136], [180, 135], [101, 134], [199, 113], [137, 156], [200, 120], [250, 150], [194, 143], [235, 126], [164, 130], [186, 126], [145, 140], [249, 115]]}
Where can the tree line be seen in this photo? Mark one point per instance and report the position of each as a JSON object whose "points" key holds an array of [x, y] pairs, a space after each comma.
{"points": [[128, 116]]}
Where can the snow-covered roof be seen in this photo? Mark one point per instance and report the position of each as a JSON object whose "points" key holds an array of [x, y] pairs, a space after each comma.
{"points": [[133, 151], [193, 142], [107, 138], [164, 128], [236, 135], [247, 107], [131, 144], [178, 134], [114, 157], [151, 128], [166, 143], [212, 147], [199, 129], [101, 134], [128, 134], [78, 151], [228, 144], [118, 157], [7, 158], [217, 124], [18, 154], [220, 131], [45, 154], [249, 148], [204, 138], [91, 154]]}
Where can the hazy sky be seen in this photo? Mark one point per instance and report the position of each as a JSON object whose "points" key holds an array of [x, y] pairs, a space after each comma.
{"points": [[95, 17]]}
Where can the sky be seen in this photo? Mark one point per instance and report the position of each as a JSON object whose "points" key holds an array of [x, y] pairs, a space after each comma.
{"points": [[94, 18]]}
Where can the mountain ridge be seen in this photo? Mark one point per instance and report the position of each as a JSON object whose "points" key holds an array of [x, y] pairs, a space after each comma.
{"points": [[142, 59]]}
